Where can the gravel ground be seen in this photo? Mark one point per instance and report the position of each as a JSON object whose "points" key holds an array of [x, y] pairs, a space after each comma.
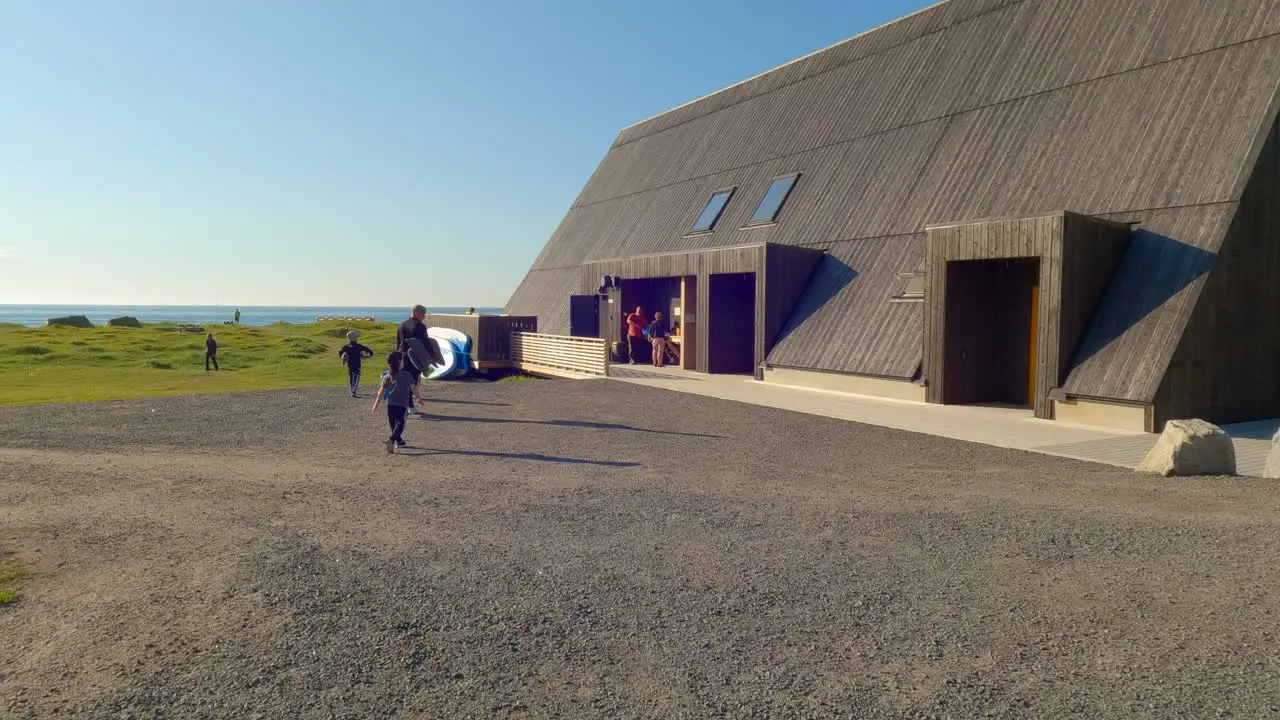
{"points": [[599, 549]]}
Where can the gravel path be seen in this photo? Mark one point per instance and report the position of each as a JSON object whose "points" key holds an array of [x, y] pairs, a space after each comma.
{"points": [[599, 549]]}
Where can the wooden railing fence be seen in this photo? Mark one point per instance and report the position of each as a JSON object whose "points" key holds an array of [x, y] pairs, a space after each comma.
{"points": [[560, 354]]}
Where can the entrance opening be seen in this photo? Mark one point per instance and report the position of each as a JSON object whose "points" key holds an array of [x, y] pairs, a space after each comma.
{"points": [[731, 318], [991, 331], [652, 295]]}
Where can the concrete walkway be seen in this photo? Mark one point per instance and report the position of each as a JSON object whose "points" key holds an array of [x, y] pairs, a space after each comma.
{"points": [[1002, 427]]}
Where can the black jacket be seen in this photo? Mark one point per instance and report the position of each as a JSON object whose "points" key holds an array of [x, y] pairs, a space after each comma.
{"points": [[411, 328], [355, 353], [210, 346]]}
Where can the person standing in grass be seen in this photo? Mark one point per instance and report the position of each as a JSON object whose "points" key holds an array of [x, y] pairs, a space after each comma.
{"points": [[402, 391], [353, 354], [237, 316], [210, 352]]}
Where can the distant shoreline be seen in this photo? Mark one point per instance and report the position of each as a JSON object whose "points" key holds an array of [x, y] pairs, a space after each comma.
{"points": [[34, 316]]}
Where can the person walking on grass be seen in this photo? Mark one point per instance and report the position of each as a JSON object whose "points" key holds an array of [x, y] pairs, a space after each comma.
{"points": [[402, 391], [210, 352], [636, 323], [658, 337], [353, 354]]}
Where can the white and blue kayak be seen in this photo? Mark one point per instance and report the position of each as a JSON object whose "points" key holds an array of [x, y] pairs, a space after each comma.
{"points": [[455, 343]]}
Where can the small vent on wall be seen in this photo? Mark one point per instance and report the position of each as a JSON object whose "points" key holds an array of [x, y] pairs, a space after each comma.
{"points": [[910, 287]]}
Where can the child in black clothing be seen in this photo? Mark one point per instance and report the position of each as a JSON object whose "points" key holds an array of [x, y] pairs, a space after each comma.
{"points": [[403, 391], [353, 353]]}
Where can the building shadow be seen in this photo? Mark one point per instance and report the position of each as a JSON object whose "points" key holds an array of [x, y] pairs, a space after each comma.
{"points": [[829, 279], [624, 370], [465, 402], [1152, 270], [413, 451], [562, 423]]}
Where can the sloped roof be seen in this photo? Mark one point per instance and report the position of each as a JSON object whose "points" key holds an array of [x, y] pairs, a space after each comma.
{"points": [[1135, 110]]}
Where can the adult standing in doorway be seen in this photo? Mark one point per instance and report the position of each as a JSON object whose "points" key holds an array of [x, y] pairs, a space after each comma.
{"points": [[414, 327], [636, 323], [658, 336]]}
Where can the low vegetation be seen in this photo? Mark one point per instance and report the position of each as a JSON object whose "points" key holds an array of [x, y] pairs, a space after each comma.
{"points": [[70, 364], [11, 576]]}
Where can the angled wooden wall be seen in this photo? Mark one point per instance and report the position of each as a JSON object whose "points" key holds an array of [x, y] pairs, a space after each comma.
{"points": [[1077, 258], [1227, 365]]}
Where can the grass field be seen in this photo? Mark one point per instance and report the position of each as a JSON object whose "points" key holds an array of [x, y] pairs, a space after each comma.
{"points": [[54, 364]]}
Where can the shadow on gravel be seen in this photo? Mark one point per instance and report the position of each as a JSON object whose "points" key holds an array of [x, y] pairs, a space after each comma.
{"points": [[466, 402], [413, 451], [564, 423]]}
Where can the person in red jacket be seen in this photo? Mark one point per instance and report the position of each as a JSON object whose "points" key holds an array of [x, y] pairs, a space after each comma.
{"points": [[636, 343]]}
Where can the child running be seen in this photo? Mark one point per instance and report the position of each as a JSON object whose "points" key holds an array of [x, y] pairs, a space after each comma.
{"points": [[402, 391], [353, 353]]}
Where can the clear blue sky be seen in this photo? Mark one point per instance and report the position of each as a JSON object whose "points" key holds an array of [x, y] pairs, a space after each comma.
{"points": [[282, 152]]}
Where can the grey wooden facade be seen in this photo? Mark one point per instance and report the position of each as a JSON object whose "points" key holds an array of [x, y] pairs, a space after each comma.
{"points": [[1148, 113], [781, 274], [1076, 258]]}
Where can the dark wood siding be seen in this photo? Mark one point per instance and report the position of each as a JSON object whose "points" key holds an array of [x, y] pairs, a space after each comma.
{"points": [[781, 273], [1121, 109], [1076, 257], [490, 334], [1039, 237], [787, 272], [845, 321], [1091, 251], [1227, 365]]}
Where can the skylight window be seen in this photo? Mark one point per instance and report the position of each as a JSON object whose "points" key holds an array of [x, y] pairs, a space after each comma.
{"points": [[711, 213], [774, 197]]}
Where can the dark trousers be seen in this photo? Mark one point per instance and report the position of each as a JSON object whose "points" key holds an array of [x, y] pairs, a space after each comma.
{"points": [[638, 349], [353, 375], [397, 416], [210, 357]]}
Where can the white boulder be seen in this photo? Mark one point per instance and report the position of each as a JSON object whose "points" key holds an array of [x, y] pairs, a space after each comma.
{"points": [[1191, 447], [1273, 459]]}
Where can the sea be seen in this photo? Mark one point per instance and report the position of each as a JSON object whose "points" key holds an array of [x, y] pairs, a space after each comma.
{"points": [[37, 315]]}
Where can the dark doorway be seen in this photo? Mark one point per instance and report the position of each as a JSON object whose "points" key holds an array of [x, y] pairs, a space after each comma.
{"points": [[731, 323], [991, 314], [584, 315], [653, 295]]}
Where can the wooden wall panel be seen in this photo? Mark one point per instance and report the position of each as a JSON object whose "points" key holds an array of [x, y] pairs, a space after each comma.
{"points": [[786, 275], [845, 320], [1038, 237], [1092, 249], [1227, 365]]}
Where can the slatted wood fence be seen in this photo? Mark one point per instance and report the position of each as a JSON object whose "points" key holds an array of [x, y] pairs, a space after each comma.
{"points": [[560, 355]]}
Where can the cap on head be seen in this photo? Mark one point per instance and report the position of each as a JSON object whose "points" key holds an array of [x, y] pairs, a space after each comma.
{"points": [[352, 335]]}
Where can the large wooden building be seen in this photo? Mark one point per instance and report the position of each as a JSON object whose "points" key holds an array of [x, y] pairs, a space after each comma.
{"points": [[1065, 204]]}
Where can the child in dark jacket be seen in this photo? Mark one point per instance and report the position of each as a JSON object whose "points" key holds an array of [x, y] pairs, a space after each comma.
{"points": [[403, 390], [353, 353]]}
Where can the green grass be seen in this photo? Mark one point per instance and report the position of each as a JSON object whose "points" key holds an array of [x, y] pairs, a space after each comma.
{"points": [[11, 575], [60, 364], [518, 376]]}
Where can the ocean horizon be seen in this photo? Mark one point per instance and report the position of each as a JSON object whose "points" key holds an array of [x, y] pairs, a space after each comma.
{"points": [[38, 315]]}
